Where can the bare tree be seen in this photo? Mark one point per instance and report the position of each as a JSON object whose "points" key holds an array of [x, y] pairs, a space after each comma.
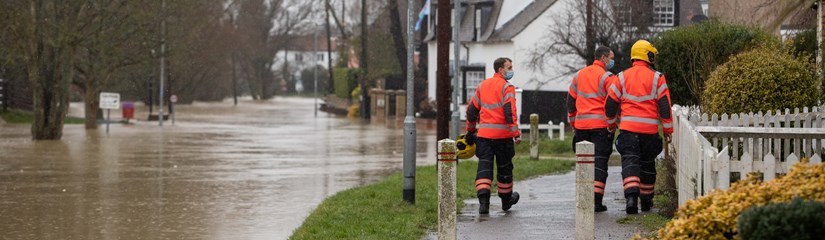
{"points": [[615, 24], [43, 34], [265, 28]]}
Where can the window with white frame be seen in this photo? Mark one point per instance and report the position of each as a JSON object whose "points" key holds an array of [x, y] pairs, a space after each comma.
{"points": [[473, 79], [664, 12]]}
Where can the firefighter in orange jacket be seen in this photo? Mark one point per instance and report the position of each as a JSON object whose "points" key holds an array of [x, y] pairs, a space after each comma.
{"points": [[492, 123], [585, 112], [644, 99]]}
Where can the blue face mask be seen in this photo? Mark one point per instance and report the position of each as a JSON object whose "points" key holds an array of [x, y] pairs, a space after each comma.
{"points": [[508, 75], [610, 64]]}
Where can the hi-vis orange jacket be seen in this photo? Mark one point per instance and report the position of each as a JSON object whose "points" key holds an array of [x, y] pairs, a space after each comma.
{"points": [[494, 109], [644, 98], [586, 96]]}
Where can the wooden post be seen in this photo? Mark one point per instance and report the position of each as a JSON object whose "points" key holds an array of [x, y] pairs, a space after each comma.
{"points": [[561, 131], [550, 130], [585, 224], [534, 136], [446, 189]]}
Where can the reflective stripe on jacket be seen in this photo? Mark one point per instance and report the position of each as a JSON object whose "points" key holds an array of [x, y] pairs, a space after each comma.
{"points": [[586, 96], [494, 109], [644, 100]]}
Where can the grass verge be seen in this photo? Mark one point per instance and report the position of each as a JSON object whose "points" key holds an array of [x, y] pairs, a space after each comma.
{"points": [[651, 222], [377, 211], [548, 147], [18, 116]]}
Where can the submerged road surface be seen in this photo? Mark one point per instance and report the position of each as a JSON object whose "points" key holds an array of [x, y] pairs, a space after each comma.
{"points": [[252, 171]]}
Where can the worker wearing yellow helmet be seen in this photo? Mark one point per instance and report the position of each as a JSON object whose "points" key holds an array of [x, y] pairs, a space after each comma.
{"points": [[644, 99]]}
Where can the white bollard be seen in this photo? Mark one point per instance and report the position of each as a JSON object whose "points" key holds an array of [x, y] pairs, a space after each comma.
{"points": [[447, 158], [534, 136], [550, 130], [585, 223]]}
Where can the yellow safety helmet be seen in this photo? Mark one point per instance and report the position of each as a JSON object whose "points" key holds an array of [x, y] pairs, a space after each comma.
{"points": [[643, 50], [465, 150]]}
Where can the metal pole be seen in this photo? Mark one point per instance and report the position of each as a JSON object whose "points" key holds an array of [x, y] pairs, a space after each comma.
{"points": [[363, 62], [315, 71], [409, 121], [162, 60], [446, 189], [456, 63], [108, 119], [585, 223]]}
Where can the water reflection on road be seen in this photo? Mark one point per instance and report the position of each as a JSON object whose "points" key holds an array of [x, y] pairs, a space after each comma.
{"points": [[252, 171]]}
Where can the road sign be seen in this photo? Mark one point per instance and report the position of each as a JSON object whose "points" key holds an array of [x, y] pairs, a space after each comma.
{"points": [[109, 100], [173, 98]]}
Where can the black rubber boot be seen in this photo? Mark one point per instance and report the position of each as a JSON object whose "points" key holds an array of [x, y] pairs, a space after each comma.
{"points": [[632, 204], [508, 202], [483, 202], [599, 207], [646, 202]]}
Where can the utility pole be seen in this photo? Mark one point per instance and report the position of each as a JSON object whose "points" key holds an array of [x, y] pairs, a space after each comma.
{"points": [[588, 32], [409, 121], [819, 32], [363, 107], [456, 63], [329, 48], [315, 69], [162, 59], [442, 70]]}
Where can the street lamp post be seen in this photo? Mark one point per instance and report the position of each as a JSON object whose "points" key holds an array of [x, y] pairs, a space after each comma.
{"points": [[409, 121], [162, 60]]}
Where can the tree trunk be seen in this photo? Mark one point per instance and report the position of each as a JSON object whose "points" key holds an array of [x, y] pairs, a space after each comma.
{"points": [[50, 76], [91, 103]]}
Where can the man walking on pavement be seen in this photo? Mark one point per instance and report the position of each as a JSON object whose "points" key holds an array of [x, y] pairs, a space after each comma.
{"points": [[492, 122], [644, 99], [585, 112]]}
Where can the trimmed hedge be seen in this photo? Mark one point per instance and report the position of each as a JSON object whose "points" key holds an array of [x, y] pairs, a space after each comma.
{"points": [[799, 219], [716, 215], [345, 80], [760, 80], [688, 54]]}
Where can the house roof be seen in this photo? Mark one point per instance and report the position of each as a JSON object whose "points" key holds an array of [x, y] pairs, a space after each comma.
{"points": [[510, 29], [523, 19]]}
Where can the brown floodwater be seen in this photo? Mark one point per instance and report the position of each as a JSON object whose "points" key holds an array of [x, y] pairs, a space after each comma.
{"points": [[252, 171]]}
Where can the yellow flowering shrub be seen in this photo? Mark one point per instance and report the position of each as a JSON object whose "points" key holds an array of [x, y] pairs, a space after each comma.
{"points": [[715, 215]]}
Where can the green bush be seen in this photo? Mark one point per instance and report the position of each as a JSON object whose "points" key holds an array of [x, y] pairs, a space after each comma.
{"points": [[346, 79], [688, 54], [798, 219], [763, 79]]}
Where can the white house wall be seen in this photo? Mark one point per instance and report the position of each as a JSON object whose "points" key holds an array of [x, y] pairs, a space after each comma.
{"points": [[556, 77]]}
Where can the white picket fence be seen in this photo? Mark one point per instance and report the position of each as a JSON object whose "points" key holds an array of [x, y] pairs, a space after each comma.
{"points": [[769, 143]]}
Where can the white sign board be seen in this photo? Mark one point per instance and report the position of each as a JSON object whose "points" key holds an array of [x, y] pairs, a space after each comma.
{"points": [[173, 98], [109, 100]]}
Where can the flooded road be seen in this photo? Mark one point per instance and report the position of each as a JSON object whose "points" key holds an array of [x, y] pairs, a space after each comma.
{"points": [[252, 171]]}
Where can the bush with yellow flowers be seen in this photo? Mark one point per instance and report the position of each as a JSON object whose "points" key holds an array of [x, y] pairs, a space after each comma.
{"points": [[715, 215]]}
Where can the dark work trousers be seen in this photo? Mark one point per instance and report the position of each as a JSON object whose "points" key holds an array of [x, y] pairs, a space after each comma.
{"points": [[639, 153], [502, 151], [603, 143]]}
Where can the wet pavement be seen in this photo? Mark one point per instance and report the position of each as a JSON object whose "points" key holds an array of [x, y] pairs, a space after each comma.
{"points": [[252, 171], [546, 210]]}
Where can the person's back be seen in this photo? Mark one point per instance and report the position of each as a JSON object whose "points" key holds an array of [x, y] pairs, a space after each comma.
{"points": [[585, 111], [492, 117], [644, 99], [642, 89]]}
